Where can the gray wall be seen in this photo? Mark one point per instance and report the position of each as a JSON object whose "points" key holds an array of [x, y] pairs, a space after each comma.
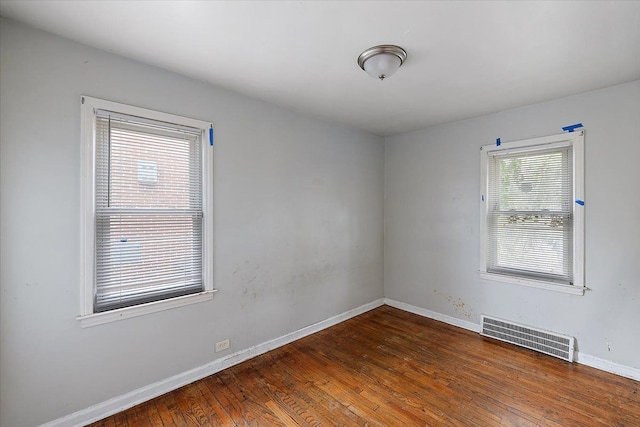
{"points": [[298, 228], [432, 217]]}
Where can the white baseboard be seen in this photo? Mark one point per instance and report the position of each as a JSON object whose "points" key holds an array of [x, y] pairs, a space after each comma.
{"points": [[584, 359], [433, 315], [128, 400], [608, 366]]}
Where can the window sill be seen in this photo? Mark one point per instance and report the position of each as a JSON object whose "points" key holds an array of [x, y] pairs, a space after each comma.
{"points": [[567, 289], [95, 319]]}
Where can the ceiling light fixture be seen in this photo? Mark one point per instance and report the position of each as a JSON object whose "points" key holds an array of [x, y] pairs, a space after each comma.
{"points": [[382, 61]]}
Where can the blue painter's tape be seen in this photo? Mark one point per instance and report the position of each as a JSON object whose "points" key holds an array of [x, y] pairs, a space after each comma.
{"points": [[498, 142], [571, 128], [211, 135], [580, 202], [483, 197]]}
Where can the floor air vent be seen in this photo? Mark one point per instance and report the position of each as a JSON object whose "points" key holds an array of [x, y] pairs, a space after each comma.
{"points": [[534, 339]]}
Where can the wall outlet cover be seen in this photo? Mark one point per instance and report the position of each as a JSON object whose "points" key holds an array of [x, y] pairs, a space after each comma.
{"points": [[222, 345]]}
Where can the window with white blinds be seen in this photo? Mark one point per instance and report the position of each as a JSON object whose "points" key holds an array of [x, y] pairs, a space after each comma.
{"points": [[149, 209], [529, 210]]}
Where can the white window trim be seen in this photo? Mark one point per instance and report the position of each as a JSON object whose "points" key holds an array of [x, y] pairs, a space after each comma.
{"points": [[87, 316], [575, 139]]}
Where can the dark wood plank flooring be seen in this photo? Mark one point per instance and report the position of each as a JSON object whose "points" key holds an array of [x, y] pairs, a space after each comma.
{"points": [[391, 368]]}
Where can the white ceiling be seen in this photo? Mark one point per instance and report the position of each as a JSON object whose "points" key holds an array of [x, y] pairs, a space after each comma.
{"points": [[465, 59]]}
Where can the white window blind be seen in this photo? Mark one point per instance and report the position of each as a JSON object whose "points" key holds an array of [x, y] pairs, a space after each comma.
{"points": [[529, 219], [148, 211]]}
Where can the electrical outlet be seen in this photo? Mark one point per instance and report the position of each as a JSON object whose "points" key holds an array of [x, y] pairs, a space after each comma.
{"points": [[222, 345]]}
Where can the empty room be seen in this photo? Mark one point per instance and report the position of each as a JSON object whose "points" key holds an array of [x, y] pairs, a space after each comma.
{"points": [[292, 213]]}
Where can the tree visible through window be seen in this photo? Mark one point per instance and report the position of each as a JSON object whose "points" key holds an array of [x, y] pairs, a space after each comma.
{"points": [[529, 211]]}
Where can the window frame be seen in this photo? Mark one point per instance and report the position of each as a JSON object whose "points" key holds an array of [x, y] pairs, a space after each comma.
{"points": [[574, 139], [88, 317]]}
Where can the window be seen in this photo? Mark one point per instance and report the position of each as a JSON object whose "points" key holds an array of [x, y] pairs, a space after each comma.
{"points": [[532, 212], [147, 211]]}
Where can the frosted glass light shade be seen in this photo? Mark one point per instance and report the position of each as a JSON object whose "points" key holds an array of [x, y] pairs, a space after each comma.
{"points": [[382, 66], [382, 61]]}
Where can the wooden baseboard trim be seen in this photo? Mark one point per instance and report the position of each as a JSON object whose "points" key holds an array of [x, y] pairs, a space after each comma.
{"points": [[128, 400], [474, 327], [608, 366], [584, 359]]}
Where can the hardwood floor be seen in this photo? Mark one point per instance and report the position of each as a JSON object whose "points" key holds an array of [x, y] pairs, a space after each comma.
{"points": [[391, 368]]}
